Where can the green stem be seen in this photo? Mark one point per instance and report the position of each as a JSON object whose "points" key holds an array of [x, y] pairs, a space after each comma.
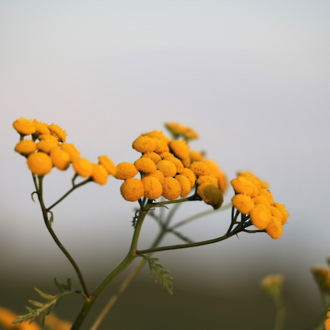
{"points": [[69, 192], [280, 316], [194, 197], [52, 233]]}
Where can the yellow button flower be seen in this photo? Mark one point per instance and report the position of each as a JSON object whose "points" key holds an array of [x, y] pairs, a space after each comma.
{"points": [[24, 126], [277, 214], [132, 190], [223, 183], [167, 168], [145, 165], [60, 159], [190, 134], [108, 164], [83, 167], [199, 168], [185, 185], [125, 171], [186, 162], [208, 179], [41, 128], [100, 175], [260, 216], [158, 135], [268, 195], [158, 175], [153, 156], [152, 187], [285, 214], [243, 186], [243, 203], [161, 146], [175, 128], [171, 188], [327, 323], [189, 175], [176, 161], [196, 156], [144, 144], [165, 154], [47, 145], [180, 149], [39, 163], [71, 150], [58, 131], [210, 194], [260, 199], [26, 147], [274, 229]]}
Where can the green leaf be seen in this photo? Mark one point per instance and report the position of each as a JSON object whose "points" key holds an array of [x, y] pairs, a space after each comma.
{"points": [[44, 295], [161, 273], [33, 194], [59, 284], [35, 303]]}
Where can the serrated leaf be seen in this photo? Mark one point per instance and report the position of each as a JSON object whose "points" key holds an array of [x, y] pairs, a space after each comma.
{"points": [[35, 303], [44, 295], [59, 284]]}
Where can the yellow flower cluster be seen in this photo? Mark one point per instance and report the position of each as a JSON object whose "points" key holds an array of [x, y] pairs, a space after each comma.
{"points": [[179, 130], [47, 149], [254, 199], [167, 169], [327, 321]]}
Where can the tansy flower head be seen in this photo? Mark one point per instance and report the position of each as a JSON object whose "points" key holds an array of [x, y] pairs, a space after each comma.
{"points": [[145, 165], [125, 171], [186, 162], [285, 214], [108, 164], [26, 147], [71, 150], [165, 154], [144, 144], [208, 179], [39, 163], [158, 175], [273, 284], [83, 167], [152, 187], [161, 146], [132, 190], [179, 148], [58, 131], [175, 128], [176, 162], [243, 203], [171, 188], [251, 177], [277, 214], [190, 134], [274, 229], [210, 194], [158, 135], [199, 168], [260, 199], [260, 216], [167, 168], [268, 195], [41, 128], [100, 175], [185, 185], [244, 186], [189, 175], [60, 159], [222, 179], [47, 145], [153, 156], [24, 126], [196, 156]]}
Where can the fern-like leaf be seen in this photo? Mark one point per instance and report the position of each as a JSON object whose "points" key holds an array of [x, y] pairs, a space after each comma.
{"points": [[161, 273]]}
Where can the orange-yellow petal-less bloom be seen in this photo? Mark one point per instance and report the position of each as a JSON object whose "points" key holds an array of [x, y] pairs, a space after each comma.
{"points": [[152, 187], [208, 179], [153, 156], [144, 144], [39, 163], [100, 175], [243, 186], [260, 216], [83, 167], [71, 150], [108, 164], [180, 149], [47, 145], [284, 212], [274, 228], [41, 128], [125, 171], [60, 159], [132, 190], [167, 168], [171, 188], [26, 147], [158, 175], [24, 126], [185, 185], [145, 165], [210, 194], [243, 203], [199, 168], [189, 175], [58, 131], [176, 162]]}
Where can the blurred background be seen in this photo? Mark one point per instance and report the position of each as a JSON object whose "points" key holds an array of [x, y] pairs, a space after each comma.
{"points": [[251, 77]]}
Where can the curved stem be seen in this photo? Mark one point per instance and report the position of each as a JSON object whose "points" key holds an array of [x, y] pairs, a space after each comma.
{"points": [[57, 241], [194, 197], [68, 193]]}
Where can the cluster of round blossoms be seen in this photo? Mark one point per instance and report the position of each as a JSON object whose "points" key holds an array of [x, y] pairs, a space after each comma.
{"points": [[252, 198], [47, 149], [170, 169]]}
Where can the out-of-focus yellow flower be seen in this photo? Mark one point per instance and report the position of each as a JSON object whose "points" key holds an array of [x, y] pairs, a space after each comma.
{"points": [[161, 146], [47, 145], [190, 134], [199, 168], [145, 165], [158, 175], [276, 213], [185, 185], [243, 186], [171, 188], [100, 175], [243, 203], [176, 161], [24, 126], [260, 199], [327, 322], [7, 317], [158, 135], [260, 216], [108, 164], [268, 195], [83, 167], [153, 156], [189, 174], [285, 214], [125, 171], [274, 229], [132, 190], [251, 177], [71, 150], [26, 147], [210, 194], [186, 162], [216, 171], [273, 285], [179, 148], [208, 179], [167, 168], [54, 323], [60, 159], [144, 144], [39, 163], [152, 187], [58, 131], [322, 277], [196, 156], [175, 128], [41, 128]]}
